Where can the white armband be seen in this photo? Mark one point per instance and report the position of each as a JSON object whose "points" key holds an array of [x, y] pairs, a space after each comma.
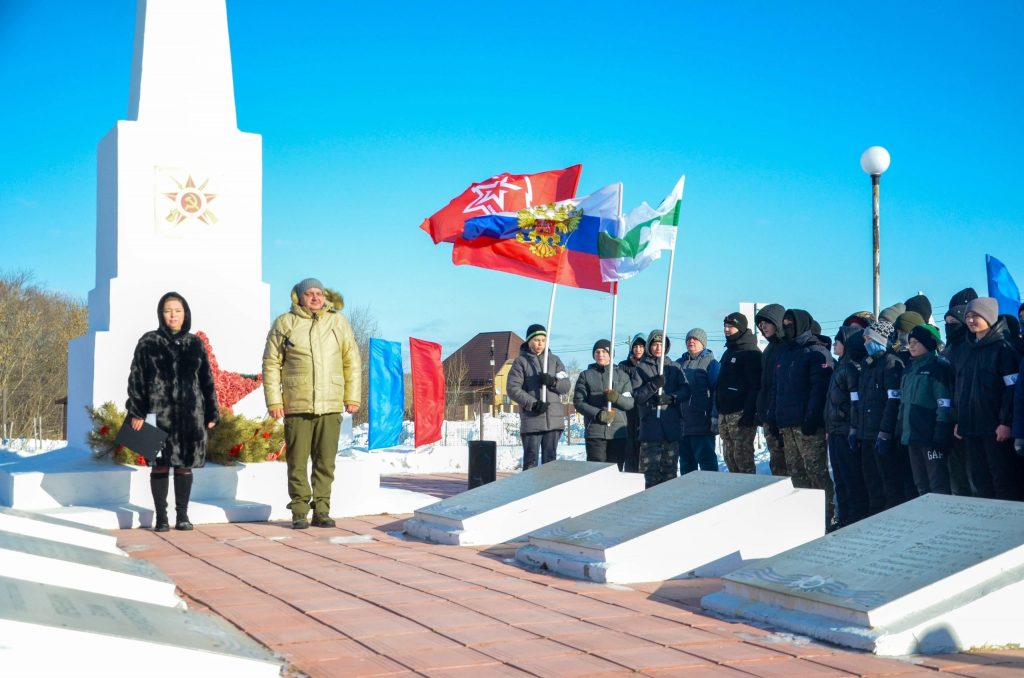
{"points": [[944, 402], [561, 375], [1010, 379], [894, 394], [854, 396]]}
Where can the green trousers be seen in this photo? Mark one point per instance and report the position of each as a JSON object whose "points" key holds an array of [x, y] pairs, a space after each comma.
{"points": [[311, 436]]}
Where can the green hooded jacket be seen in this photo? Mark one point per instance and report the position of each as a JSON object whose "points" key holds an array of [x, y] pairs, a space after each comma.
{"points": [[311, 362]]}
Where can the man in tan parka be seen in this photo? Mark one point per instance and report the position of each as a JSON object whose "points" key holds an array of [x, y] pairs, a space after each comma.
{"points": [[311, 373]]}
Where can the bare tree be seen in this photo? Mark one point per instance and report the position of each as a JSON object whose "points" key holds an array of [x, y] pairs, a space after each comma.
{"points": [[364, 325], [35, 327], [456, 385]]}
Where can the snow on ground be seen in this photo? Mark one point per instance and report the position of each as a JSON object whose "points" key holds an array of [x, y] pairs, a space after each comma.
{"points": [[449, 455]]}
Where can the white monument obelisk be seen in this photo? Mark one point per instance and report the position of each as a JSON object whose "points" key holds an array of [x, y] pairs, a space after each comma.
{"points": [[178, 207]]}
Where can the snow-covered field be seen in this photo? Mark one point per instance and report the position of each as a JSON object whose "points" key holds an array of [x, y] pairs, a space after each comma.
{"points": [[450, 455]]}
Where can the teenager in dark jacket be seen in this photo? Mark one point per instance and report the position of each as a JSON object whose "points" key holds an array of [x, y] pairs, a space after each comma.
{"points": [[924, 415], [875, 416], [985, 388], [851, 492], [604, 406], [536, 391], [171, 378], [955, 351], [637, 348], [699, 415], [769, 322], [739, 382], [802, 374], [658, 398]]}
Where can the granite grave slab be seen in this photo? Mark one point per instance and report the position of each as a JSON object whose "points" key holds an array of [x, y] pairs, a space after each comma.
{"points": [[59, 564], [57, 631], [700, 524], [511, 507], [936, 574]]}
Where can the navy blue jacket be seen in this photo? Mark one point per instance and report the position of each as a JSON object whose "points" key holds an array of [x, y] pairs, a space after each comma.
{"points": [[802, 374], [667, 427]]}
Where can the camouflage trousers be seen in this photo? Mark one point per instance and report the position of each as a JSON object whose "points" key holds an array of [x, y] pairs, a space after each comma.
{"points": [[737, 443], [807, 461], [659, 461], [776, 451]]}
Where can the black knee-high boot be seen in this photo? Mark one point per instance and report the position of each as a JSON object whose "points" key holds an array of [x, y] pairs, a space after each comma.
{"points": [[182, 490], [158, 484]]}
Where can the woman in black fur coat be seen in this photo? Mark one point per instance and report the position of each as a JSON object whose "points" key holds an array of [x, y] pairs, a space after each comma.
{"points": [[171, 378]]}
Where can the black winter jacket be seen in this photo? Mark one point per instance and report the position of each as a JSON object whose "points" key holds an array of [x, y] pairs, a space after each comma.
{"points": [[739, 379], [877, 401], [773, 313], [801, 379], [845, 380], [170, 376], [985, 383]]}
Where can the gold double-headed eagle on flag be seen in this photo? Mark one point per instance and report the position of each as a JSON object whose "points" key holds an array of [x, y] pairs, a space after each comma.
{"points": [[547, 227]]}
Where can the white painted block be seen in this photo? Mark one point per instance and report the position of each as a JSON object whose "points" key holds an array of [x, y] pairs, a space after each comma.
{"points": [[701, 524], [57, 529], [58, 564], [513, 506], [57, 631], [937, 574]]}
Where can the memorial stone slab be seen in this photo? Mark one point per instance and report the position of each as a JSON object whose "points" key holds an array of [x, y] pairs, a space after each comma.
{"points": [[57, 529], [701, 524], [511, 507], [937, 574], [58, 631], [52, 562]]}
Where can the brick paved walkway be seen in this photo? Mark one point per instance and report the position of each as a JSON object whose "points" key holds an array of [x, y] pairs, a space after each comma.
{"points": [[358, 600]]}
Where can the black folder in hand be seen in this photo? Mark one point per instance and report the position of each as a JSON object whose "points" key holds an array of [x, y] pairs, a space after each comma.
{"points": [[147, 441]]}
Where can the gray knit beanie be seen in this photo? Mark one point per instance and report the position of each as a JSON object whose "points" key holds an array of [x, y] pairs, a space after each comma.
{"points": [[306, 285], [986, 307], [698, 334]]}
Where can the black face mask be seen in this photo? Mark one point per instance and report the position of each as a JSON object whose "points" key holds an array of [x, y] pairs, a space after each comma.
{"points": [[789, 331], [954, 332]]}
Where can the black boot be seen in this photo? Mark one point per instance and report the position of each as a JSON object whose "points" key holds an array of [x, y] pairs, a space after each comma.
{"points": [[158, 484], [182, 490]]}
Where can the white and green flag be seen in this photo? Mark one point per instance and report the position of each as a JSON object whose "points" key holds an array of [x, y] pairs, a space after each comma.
{"points": [[629, 245]]}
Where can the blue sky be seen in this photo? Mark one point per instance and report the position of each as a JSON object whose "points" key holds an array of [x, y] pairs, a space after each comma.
{"points": [[374, 115]]}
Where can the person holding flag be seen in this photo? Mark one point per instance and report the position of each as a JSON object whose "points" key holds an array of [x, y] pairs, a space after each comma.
{"points": [[532, 379], [659, 395], [604, 408]]}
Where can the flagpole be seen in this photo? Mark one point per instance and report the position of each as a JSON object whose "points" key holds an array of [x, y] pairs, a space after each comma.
{"points": [[547, 344], [664, 323], [615, 309]]}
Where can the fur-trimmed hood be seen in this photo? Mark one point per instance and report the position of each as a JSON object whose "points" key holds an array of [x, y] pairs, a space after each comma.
{"points": [[334, 303]]}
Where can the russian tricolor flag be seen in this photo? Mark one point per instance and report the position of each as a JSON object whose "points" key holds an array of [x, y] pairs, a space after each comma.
{"points": [[556, 242]]}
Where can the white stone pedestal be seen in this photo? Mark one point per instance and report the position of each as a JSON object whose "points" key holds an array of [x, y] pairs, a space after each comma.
{"points": [[69, 484], [937, 574], [701, 524], [513, 506]]}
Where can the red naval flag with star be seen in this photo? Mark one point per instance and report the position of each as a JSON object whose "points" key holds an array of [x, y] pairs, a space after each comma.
{"points": [[502, 193]]}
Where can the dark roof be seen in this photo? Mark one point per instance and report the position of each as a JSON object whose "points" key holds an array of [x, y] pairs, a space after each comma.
{"points": [[477, 354]]}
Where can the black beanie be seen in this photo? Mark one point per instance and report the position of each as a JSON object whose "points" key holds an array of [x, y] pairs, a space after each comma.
{"points": [[535, 330], [737, 320], [601, 343], [927, 335], [919, 304], [963, 297]]}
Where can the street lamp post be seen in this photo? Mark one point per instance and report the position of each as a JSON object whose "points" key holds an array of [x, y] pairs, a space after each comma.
{"points": [[875, 161]]}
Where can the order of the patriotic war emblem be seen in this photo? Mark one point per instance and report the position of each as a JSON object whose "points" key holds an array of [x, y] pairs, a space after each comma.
{"points": [[547, 227]]}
